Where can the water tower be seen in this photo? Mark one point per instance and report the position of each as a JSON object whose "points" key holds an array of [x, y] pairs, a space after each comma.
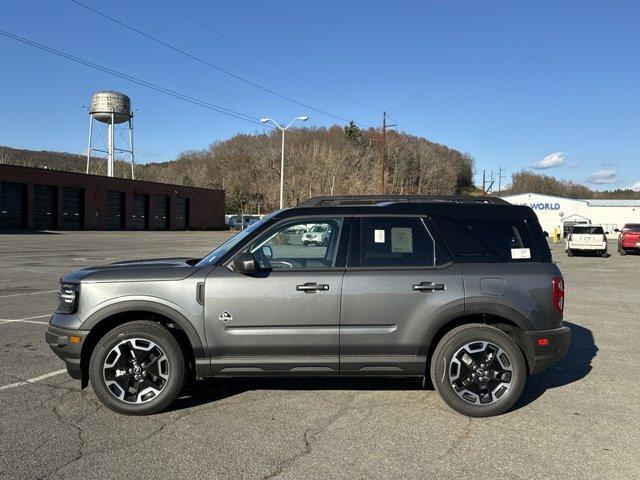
{"points": [[112, 109]]}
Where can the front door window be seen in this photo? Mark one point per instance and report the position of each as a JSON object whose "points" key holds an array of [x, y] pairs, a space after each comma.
{"points": [[299, 245]]}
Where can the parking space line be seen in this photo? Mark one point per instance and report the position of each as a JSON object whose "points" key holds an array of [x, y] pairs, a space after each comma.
{"points": [[30, 293], [33, 380], [25, 319]]}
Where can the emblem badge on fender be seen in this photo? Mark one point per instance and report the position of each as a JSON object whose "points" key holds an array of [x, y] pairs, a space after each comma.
{"points": [[225, 316]]}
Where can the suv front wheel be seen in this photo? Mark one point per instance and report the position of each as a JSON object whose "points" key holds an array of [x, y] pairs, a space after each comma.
{"points": [[137, 368], [478, 370]]}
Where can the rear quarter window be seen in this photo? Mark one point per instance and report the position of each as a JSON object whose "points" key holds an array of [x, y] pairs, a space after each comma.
{"points": [[480, 240]]}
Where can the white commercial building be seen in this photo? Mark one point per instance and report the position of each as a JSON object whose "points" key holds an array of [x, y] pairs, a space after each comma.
{"points": [[562, 213]]}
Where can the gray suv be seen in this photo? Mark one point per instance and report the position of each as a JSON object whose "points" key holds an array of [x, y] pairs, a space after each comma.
{"points": [[459, 289]]}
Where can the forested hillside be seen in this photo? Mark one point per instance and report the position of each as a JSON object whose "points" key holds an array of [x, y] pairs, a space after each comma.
{"points": [[319, 161], [526, 181]]}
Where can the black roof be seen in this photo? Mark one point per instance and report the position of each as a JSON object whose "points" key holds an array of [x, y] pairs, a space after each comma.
{"points": [[351, 200], [456, 206]]}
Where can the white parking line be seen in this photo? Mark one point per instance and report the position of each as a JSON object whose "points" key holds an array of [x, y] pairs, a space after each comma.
{"points": [[26, 319], [33, 380], [30, 293]]}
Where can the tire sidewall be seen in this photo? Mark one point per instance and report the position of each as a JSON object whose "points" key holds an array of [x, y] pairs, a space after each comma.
{"points": [[461, 337], [174, 356]]}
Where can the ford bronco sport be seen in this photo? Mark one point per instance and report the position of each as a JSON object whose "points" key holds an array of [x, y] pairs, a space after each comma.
{"points": [[459, 289]]}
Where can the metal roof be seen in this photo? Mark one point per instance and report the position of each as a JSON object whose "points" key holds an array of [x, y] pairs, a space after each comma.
{"points": [[612, 203]]}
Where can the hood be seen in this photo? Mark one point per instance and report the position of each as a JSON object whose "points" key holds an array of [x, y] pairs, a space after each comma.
{"points": [[156, 269]]}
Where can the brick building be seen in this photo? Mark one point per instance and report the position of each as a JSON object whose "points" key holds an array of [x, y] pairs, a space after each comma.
{"points": [[40, 199]]}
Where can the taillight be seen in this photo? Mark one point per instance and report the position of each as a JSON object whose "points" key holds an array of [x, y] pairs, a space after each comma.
{"points": [[558, 293]]}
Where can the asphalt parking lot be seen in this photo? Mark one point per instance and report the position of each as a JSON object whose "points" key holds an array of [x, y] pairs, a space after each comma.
{"points": [[579, 419]]}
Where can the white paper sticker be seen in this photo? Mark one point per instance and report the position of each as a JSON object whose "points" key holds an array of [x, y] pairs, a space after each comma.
{"points": [[520, 253], [378, 236]]}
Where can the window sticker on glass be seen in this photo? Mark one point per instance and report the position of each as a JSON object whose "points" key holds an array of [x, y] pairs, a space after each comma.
{"points": [[520, 253], [401, 240], [378, 236]]}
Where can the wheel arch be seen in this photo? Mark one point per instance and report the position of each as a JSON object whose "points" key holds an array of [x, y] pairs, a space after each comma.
{"points": [[106, 319], [509, 321]]}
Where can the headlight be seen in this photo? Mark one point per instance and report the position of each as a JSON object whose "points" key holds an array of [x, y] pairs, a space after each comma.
{"points": [[68, 298]]}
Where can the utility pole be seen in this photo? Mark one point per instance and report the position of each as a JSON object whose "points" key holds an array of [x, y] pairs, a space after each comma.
{"points": [[500, 177], [383, 151], [484, 181]]}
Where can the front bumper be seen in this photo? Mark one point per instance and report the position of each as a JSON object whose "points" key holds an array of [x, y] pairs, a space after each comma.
{"points": [[71, 353], [544, 356]]}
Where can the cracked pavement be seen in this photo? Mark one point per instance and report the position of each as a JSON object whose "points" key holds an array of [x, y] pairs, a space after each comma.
{"points": [[578, 420]]}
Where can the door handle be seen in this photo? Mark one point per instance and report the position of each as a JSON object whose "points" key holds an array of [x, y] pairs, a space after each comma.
{"points": [[311, 287], [428, 287]]}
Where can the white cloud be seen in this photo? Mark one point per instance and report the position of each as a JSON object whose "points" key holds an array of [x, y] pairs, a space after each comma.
{"points": [[552, 160], [574, 165], [603, 177], [636, 186]]}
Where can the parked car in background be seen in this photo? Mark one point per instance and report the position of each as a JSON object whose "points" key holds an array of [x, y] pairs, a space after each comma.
{"points": [[629, 239], [240, 222], [316, 235], [587, 239]]}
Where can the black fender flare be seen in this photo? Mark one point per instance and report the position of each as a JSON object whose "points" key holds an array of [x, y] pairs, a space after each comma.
{"points": [[152, 307], [457, 312]]}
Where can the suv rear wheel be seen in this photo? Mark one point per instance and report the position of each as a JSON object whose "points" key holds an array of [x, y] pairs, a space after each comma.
{"points": [[138, 368], [478, 370]]}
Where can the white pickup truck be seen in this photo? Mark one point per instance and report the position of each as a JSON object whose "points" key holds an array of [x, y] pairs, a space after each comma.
{"points": [[587, 239]]}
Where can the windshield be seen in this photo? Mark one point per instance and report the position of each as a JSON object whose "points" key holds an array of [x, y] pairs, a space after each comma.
{"points": [[588, 230], [318, 228], [233, 242], [632, 227]]}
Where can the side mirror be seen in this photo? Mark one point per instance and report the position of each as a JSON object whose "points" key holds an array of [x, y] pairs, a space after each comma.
{"points": [[606, 233], [244, 263], [617, 230]]}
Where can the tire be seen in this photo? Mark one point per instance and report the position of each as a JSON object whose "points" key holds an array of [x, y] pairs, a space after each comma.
{"points": [[111, 368], [569, 253], [604, 255], [623, 252], [474, 336], [306, 244]]}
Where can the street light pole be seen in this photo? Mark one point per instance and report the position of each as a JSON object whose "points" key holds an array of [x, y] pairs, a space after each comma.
{"points": [[302, 118]]}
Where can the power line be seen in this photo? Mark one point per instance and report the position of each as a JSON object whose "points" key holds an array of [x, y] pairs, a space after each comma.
{"points": [[138, 81], [205, 62], [264, 57]]}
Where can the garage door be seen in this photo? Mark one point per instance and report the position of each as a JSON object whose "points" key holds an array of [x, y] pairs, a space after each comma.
{"points": [[140, 208], [72, 208], [115, 210], [182, 213], [161, 214], [45, 200], [13, 205]]}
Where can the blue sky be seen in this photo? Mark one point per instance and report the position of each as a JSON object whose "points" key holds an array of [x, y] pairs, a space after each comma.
{"points": [[515, 84]]}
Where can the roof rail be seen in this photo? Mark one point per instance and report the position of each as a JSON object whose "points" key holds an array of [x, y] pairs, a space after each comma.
{"points": [[356, 200]]}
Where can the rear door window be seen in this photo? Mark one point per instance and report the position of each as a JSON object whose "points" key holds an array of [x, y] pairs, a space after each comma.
{"points": [[487, 239], [395, 242]]}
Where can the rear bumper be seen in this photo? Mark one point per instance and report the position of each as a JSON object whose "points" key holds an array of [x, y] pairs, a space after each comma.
{"points": [[545, 356], [600, 247], [58, 340]]}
